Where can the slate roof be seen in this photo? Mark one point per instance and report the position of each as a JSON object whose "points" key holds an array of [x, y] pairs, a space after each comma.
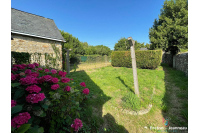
{"points": [[33, 25], [143, 49]]}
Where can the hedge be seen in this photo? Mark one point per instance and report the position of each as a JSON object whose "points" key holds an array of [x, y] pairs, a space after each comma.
{"points": [[149, 59]]}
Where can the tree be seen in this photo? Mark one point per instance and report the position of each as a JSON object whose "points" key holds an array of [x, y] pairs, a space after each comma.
{"points": [[147, 46], [73, 43], [102, 50], [123, 45], [82, 48], [171, 29]]}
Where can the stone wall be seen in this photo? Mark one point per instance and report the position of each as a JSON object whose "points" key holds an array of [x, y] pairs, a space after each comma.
{"points": [[29, 44], [179, 62], [167, 58]]}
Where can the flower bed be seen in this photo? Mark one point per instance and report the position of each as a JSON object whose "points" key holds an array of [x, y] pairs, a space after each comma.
{"points": [[44, 100]]}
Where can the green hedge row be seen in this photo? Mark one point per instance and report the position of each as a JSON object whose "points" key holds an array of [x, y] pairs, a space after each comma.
{"points": [[149, 59], [94, 58]]}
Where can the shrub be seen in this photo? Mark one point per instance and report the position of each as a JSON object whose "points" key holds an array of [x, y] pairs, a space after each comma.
{"points": [[20, 58], [44, 100], [144, 59], [74, 59]]}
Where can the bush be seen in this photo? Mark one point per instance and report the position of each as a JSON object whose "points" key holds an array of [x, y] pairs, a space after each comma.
{"points": [[21, 58], [45, 100], [74, 60], [149, 59]]}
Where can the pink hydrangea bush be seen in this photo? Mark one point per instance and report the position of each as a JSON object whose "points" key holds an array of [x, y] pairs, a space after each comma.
{"points": [[43, 90]]}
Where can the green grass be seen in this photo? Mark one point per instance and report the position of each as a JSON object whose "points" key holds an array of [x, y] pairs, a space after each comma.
{"points": [[112, 89]]}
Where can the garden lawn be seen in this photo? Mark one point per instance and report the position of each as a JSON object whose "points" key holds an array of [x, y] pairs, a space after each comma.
{"points": [[165, 88]]}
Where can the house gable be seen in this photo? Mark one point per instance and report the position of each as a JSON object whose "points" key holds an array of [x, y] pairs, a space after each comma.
{"points": [[28, 24]]}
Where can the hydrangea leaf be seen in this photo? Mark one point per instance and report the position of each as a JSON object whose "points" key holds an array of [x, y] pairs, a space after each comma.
{"points": [[16, 109], [23, 128], [36, 130], [19, 93], [15, 84]]}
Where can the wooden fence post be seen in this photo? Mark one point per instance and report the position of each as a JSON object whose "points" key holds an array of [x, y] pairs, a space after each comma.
{"points": [[136, 86], [67, 62]]}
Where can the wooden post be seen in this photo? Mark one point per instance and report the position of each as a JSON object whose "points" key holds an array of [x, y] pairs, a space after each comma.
{"points": [[136, 86], [67, 58]]}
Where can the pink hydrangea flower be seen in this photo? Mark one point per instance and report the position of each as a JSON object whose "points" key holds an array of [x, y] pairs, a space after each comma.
{"points": [[17, 76], [32, 66], [28, 80], [83, 84], [21, 67], [35, 98], [33, 74], [21, 119], [28, 71], [86, 91], [13, 103], [55, 86], [36, 64], [13, 77], [15, 65], [62, 74], [24, 65], [77, 124], [53, 71], [46, 70], [22, 74], [47, 78], [67, 88], [14, 69], [40, 80], [65, 80], [54, 80], [39, 69], [33, 88]]}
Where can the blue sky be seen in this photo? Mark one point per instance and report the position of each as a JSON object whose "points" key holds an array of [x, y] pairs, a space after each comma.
{"points": [[98, 22]]}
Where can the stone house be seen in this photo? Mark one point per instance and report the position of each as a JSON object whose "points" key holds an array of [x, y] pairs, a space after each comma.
{"points": [[143, 49], [35, 34]]}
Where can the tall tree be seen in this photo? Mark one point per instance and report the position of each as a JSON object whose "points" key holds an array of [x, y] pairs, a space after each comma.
{"points": [[171, 29], [73, 43], [123, 45], [147, 46]]}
